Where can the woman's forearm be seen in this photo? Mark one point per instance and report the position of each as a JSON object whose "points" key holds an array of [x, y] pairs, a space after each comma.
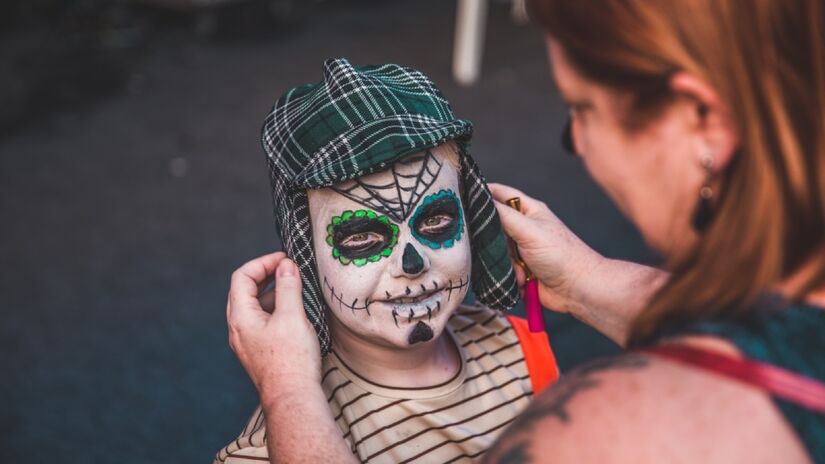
{"points": [[613, 293], [300, 427]]}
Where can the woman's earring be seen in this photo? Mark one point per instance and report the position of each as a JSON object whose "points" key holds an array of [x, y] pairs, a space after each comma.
{"points": [[703, 213]]}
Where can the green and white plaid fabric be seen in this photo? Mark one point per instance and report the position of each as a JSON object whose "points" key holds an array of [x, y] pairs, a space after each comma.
{"points": [[358, 121]]}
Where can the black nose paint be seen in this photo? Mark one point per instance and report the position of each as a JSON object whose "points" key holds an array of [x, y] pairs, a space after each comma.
{"points": [[412, 262], [421, 333]]}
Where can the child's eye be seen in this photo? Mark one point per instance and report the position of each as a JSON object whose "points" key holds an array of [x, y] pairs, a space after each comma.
{"points": [[361, 236], [435, 225], [362, 241], [437, 221]]}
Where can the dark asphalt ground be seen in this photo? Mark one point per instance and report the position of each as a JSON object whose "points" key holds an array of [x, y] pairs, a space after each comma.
{"points": [[123, 219]]}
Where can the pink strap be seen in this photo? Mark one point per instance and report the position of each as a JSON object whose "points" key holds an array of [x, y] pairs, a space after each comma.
{"points": [[783, 383]]}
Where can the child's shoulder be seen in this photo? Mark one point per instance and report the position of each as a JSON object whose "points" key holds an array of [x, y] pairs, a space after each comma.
{"points": [[479, 322], [473, 312]]}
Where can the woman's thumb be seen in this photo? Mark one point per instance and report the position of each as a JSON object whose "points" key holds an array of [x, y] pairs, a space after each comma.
{"points": [[288, 297]]}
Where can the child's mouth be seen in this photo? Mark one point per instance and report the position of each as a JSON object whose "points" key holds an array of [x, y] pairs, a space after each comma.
{"points": [[414, 299], [411, 308]]}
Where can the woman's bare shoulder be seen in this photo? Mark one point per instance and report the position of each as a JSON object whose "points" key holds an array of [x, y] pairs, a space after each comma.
{"points": [[638, 408]]}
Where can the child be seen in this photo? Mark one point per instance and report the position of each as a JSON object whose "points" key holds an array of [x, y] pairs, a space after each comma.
{"points": [[387, 217]]}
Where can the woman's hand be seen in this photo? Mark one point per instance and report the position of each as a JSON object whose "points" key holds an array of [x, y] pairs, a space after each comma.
{"points": [[556, 256], [277, 346], [604, 293], [268, 330]]}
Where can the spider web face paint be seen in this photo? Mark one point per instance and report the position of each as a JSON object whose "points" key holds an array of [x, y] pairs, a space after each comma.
{"points": [[412, 177]]}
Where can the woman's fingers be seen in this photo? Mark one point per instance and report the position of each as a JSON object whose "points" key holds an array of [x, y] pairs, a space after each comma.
{"points": [[245, 282], [247, 278], [267, 300], [503, 192], [515, 224], [529, 205], [267, 284], [521, 276]]}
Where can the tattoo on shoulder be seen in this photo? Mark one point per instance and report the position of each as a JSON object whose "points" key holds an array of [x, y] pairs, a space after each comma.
{"points": [[516, 454], [554, 404]]}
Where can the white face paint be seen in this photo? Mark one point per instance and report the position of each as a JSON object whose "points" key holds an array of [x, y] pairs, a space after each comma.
{"points": [[392, 249]]}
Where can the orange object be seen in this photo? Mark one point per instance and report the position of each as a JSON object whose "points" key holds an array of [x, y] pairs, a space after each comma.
{"points": [[538, 355]]}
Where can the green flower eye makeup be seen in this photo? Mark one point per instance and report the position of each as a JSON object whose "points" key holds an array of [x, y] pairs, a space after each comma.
{"points": [[438, 221], [360, 237]]}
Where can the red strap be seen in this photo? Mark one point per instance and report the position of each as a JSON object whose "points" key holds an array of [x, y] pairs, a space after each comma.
{"points": [[538, 355], [782, 383]]}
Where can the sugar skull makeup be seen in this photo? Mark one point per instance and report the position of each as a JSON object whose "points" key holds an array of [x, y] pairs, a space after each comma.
{"points": [[438, 220], [392, 249], [361, 236]]}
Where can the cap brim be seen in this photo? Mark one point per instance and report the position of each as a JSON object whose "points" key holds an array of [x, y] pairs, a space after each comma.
{"points": [[374, 146]]}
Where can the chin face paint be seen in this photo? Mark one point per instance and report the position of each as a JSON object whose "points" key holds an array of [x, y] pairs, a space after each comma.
{"points": [[392, 249], [420, 333]]}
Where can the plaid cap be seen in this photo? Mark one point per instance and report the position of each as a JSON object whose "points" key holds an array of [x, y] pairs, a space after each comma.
{"points": [[358, 121]]}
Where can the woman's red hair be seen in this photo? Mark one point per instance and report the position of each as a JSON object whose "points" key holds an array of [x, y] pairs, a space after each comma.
{"points": [[766, 59]]}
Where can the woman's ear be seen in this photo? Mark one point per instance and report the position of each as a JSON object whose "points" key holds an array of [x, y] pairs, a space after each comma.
{"points": [[709, 116]]}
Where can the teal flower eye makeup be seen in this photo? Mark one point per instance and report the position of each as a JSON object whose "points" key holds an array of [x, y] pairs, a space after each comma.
{"points": [[360, 237], [438, 221]]}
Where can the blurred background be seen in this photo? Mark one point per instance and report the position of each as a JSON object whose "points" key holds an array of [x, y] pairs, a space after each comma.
{"points": [[133, 183]]}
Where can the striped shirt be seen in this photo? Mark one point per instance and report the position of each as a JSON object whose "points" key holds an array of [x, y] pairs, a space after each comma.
{"points": [[452, 422]]}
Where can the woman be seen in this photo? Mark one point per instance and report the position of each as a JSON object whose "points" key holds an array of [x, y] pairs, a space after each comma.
{"points": [[705, 122]]}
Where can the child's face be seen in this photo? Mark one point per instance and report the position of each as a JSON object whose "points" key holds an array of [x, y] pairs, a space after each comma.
{"points": [[392, 249]]}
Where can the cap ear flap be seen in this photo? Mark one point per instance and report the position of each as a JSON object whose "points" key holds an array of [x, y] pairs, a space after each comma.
{"points": [[314, 303], [295, 230], [493, 277]]}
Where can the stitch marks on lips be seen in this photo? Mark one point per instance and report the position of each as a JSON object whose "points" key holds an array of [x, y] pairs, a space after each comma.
{"points": [[412, 304], [340, 299], [426, 302]]}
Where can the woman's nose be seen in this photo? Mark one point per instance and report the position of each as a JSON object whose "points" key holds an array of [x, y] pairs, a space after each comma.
{"points": [[413, 262]]}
